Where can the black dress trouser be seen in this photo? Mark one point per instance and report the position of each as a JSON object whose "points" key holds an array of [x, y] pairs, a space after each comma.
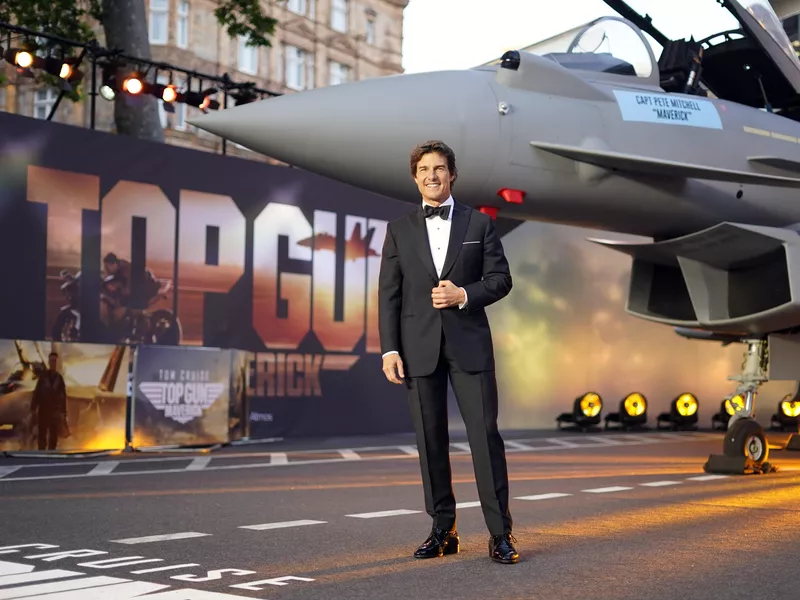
{"points": [[476, 394]]}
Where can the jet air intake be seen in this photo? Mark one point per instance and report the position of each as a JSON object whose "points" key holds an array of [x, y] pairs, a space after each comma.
{"points": [[728, 278]]}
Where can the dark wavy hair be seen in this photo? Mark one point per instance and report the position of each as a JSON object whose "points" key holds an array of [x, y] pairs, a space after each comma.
{"points": [[439, 147]]}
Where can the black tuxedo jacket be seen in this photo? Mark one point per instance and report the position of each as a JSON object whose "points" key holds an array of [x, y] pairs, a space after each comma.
{"points": [[409, 323]]}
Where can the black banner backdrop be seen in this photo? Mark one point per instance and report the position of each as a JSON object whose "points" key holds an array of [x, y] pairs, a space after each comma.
{"points": [[107, 239]]}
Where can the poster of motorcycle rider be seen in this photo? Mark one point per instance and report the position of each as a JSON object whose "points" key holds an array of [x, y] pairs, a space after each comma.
{"points": [[133, 294]]}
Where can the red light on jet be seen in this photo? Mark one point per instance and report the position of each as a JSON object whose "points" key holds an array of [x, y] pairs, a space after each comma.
{"points": [[511, 196], [489, 210]]}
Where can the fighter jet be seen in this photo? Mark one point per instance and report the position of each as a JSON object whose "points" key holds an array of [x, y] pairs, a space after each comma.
{"points": [[698, 150], [356, 247]]}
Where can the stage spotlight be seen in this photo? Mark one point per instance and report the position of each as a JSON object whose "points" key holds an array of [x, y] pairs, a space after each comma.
{"points": [[19, 57], [244, 96], [133, 84], [727, 409], [202, 100], [682, 413], [788, 415], [108, 85], [734, 404], [169, 93], [585, 413], [632, 412]]}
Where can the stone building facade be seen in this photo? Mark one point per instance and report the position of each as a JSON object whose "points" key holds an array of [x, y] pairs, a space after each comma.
{"points": [[316, 43]]}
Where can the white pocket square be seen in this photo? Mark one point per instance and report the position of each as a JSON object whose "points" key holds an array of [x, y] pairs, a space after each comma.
{"points": [[475, 242]]}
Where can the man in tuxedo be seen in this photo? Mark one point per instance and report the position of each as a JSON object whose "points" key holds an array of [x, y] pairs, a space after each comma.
{"points": [[442, 264]]}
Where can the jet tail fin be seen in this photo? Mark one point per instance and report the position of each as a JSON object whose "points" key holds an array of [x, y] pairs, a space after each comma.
{"points": [[630, 163]]}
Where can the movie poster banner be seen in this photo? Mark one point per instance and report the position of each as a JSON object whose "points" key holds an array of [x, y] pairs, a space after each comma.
{"points": [[95, 378], [181, 396], [120, 240]]}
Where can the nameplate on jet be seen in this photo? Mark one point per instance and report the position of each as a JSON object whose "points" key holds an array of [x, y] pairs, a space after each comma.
{"points": [[668, 110]]}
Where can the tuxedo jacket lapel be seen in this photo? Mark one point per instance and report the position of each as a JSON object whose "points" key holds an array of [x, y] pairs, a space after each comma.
{"points": [[422, 243], [458, 229]]}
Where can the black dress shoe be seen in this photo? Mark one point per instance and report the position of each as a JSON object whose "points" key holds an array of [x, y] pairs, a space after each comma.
{"points": [[501, 549], [439, 542]]}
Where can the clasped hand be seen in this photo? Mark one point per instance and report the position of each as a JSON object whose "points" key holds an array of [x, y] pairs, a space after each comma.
{"points": [[446, 294]]}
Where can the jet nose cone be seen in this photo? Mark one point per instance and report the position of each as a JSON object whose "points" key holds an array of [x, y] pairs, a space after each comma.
{"points": [[362, 133]]}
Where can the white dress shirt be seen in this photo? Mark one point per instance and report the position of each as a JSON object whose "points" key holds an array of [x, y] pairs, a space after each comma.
{"points": [[439, 240]]}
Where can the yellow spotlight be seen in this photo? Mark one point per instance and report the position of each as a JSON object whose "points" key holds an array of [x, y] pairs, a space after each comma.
{"points": [[635, 404], [791, 408], [734, 404], [682, 413], [632, 412], [66, 71], [591, 405], [787, 417], [686, 405], [585, 412]]}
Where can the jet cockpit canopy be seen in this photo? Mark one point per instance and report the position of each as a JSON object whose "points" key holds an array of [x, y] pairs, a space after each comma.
{"points": [[608, 45]]}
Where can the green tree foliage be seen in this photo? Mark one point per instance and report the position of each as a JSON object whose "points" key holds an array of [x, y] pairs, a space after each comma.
{"points": [[124, 24]]}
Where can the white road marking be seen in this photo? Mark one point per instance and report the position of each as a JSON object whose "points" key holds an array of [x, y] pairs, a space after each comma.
{"points": [[36, 591], [161, 538], [606, 490], [278, 458], [542, 496], [8, 470], [32, 577], [384, 513], [199, 463], [562, 443], [104, 468], [350, 454], [169, 568], [518, 445], [282, 525], [707, 477], [463, 446], [468, 504], [604, 440], [659, 483]]}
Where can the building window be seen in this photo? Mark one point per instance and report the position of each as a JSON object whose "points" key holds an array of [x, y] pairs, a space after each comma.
{"points": [[339, 15], [247, 57], [43, 101], [370, 34], [172, 120], [295, 68], [297, 6], [339, 73], [159, 21], [183, 24]]}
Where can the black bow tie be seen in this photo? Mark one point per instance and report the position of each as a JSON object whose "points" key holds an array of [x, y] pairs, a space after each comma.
{"points": [[433, 211]]}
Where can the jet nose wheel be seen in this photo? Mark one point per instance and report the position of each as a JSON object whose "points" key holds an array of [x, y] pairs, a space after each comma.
{"points": [[746, 438]]}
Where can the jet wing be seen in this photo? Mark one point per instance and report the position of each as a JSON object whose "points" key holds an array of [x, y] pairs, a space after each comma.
{"points": [[776, 162], [643, 165]]}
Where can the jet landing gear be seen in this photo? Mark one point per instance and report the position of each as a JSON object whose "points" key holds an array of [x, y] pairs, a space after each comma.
{"points": [[745, 449]]}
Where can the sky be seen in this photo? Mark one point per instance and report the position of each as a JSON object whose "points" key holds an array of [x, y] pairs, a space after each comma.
{"points": [[487, 28]]}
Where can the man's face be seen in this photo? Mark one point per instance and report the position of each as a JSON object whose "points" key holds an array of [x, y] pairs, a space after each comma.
{"points": [[111, 268], [433, 178], [53, 360]]}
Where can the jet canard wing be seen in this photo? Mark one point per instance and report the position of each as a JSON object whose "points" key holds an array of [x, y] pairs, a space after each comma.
{"points": [[643, 165]]}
